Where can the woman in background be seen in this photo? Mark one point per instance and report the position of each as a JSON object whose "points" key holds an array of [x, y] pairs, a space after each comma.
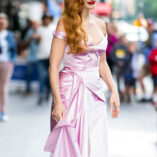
{"points": [[79, 114], [153, 70], [7, 56], [112, 41]]}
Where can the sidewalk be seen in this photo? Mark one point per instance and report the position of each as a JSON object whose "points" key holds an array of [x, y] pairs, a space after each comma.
{"points": [[133, 134]]}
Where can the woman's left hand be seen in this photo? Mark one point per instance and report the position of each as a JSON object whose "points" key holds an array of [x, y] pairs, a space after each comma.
{"points": [[114, 104]]}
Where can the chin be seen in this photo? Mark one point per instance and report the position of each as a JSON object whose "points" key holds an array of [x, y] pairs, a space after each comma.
{"points": [[90, 4]]}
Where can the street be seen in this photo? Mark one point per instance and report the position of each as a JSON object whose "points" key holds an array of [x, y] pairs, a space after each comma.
{"points": [[132, 134], [30, 54]]}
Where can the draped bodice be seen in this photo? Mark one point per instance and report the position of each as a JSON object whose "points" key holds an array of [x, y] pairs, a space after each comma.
{"points": [[80, 87], [88, 59], [85, 66]]}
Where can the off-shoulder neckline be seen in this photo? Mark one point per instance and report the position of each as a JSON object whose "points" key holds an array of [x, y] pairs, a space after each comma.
{"points": [[91, 43]]}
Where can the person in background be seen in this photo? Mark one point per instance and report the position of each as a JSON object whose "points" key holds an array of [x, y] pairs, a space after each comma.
{"points": [[129, 75], [119, 59], [145, 70], [31, 42], [153, 69], [112, 40], [45, 32], [154, 36], [8, 51], [25, 28]]}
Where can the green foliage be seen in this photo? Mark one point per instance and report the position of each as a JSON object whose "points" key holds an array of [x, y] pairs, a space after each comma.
{"points": [[150, 9]]}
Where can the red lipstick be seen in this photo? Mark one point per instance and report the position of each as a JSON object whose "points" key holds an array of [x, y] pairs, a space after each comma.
{"points": [[91, 3]]}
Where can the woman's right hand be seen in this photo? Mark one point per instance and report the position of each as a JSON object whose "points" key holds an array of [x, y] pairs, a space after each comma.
{"points": [[58, 112]]}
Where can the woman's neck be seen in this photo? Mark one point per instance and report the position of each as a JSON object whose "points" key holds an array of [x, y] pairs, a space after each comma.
{"points": [[85, 15]]}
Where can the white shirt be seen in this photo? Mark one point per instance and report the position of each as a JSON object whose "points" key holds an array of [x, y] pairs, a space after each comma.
{"points": [[46, 34], [4, 46], [136, 69]]}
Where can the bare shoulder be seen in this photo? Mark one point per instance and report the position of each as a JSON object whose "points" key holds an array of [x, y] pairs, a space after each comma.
{"points": [[100, 23], [60, 25]]}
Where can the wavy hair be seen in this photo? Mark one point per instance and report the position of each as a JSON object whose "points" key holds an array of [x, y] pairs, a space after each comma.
{"points": [[72, 21]]}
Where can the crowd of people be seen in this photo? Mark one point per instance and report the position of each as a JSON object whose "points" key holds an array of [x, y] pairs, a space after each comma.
{"points": [[122, 58], [36, 38]]}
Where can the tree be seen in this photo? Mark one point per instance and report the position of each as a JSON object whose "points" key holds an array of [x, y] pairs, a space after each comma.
{"points": [[150, 9]]}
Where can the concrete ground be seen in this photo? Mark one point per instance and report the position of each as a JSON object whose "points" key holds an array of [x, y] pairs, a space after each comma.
{"points": [[133, 134]]}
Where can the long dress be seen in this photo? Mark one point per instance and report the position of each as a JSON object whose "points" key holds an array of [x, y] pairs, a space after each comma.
{"points": [[84, 131]]}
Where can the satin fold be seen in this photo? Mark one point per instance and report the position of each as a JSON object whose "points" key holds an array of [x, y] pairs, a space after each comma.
{"points": [[82, 92]]}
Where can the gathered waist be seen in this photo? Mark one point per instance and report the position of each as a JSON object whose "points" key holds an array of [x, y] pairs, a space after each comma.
{"points": [[90, 78], [87, 75]]}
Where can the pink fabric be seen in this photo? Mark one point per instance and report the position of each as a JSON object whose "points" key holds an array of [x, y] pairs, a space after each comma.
{"points": [[84, 131], [61, 35], [6, 69]]}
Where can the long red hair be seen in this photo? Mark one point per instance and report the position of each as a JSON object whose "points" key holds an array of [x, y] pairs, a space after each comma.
{"points": [[72, 20]]}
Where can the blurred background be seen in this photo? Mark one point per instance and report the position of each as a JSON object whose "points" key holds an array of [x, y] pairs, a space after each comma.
{"points": [[26, 32]]}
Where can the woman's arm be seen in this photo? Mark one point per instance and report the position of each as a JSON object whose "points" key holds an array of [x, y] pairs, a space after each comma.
{"points": [[56, 54], [106, 73], [107, 77]]}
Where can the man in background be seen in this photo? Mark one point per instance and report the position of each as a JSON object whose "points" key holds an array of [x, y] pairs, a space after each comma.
{"points": [[31, 42], [45, 32], [119, 59]]}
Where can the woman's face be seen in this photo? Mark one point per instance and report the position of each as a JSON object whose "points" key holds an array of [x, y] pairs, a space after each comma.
{"points": [[90, 4]]}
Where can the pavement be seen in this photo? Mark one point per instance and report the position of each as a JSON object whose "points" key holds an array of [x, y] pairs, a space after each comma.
{"points": [[132, 134]]}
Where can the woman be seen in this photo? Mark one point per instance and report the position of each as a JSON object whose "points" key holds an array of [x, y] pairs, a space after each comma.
{"points": [[7, 56], [79, 120], [112, 41]]}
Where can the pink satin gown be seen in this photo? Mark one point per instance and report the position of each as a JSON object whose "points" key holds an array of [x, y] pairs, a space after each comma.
{"points": [[83, 133]]}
